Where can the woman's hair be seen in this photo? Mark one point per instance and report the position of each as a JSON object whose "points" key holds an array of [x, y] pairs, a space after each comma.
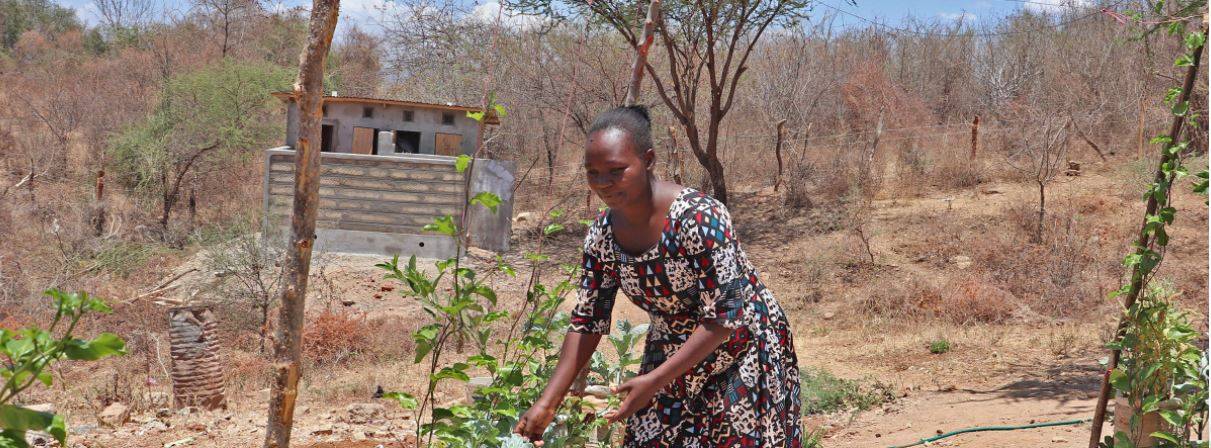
{"points": [[633, 120]]}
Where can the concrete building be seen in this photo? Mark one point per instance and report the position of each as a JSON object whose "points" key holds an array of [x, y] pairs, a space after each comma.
{"points": [[388, 127]]}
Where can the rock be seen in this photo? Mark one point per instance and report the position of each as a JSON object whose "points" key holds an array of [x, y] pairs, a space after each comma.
{"points": [[1059, 440], [163, 413], [364, 412], [301, 410], [481, 253], [961, 261], [152, 427], [82, 430], [524, 217], [359, 436], [829, 315], [196, 427], [598, 391], [347, 302], [114, 415]]}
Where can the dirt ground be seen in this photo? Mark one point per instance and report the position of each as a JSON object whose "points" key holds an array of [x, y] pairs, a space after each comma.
{"points": [[1022, 371]]}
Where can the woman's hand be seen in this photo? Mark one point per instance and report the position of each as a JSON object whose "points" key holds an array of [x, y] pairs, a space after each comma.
{"points": [[534, 422], [639, 392]]}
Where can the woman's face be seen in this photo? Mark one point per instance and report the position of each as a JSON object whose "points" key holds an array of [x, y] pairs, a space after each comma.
{"points": [[616, 171]]}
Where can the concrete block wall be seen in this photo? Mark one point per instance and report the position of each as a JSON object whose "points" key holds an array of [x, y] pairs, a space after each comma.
{"points": [[378, 205], [427, 121]]}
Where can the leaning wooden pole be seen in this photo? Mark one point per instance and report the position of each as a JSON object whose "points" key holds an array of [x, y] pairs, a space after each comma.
{"points": [[1145, 240], [287, 345]]}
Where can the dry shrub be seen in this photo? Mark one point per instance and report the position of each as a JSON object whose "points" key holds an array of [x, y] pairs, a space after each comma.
{"points": [[335, 337], [972, 299], [958, 171], [914, 297], [391, 340], [1052, 277]]}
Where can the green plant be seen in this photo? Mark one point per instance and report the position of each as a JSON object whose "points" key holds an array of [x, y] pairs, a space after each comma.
{"points": [[624, 342], [939, 346], [1162, 371], [29, 354], [813, 438], [824, 393]]}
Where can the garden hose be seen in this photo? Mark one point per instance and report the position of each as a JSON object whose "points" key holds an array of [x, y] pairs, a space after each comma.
{"points": [[992, 428]]}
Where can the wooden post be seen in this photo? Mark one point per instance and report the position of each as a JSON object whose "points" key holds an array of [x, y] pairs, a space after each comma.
{"points": [[975, 136], [778, 152], [1144, 240], [287, 345], [98, 219]]}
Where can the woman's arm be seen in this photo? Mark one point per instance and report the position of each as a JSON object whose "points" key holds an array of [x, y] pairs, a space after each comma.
{"points": [[640, 390], [576, 351]]}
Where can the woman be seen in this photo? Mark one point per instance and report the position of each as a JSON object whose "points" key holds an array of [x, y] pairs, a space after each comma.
{"points": [[719, 366]]}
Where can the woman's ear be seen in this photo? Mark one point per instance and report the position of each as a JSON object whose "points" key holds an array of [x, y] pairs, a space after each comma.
{"points": [[649, 159]]}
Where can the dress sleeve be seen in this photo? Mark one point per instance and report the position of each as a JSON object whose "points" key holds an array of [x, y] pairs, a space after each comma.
{"points": [[598, 286], [721, 277]]}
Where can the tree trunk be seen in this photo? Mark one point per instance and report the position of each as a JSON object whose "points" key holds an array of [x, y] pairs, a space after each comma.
{"points": [[778, 153], [641, 52], [1038, 230], [287, 346], [975, 136]]}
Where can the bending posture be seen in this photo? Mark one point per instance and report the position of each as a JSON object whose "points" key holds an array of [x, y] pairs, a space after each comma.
{"points": [[719, 367]]}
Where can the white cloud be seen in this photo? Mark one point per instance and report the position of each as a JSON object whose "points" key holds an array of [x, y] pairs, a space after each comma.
{"points": [[966, 17], [487, 12], [1055, 6]]}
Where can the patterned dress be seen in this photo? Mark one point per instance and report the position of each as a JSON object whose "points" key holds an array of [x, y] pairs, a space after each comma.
{"points": [[745, 393]]}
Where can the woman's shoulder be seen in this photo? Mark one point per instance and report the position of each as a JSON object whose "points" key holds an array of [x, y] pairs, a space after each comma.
{"points": [[696, 206]]}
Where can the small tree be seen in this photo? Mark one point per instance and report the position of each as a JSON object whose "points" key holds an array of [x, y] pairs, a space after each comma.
{"points": [[1041, 154], [214, 113], [253, 275], [707, 44]]}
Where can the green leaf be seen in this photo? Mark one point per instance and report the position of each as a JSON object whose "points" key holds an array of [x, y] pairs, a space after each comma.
{"points": [[16, 418], [552, 229], [1120, 380], [461, 163], [443, 225], [1195, 40], [500, 110], [486, 199], [1181, 108], [405, 400], [104, 345], [452, 372], [1184, 60], [11, 438], [477, 116], [1161, 139], [1165, 436]]}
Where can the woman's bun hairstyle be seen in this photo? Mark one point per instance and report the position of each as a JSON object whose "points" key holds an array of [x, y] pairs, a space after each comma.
{"points": [[634, 120]]}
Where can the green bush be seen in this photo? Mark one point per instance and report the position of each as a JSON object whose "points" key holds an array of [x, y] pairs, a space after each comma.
{"points": [[824, 393], [939, 346]]}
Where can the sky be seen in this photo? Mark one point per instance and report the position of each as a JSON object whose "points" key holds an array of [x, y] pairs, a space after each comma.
{"points": [[367, 13]]}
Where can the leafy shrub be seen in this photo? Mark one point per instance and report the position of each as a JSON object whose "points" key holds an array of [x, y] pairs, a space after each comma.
{"points": [[824, 393]]}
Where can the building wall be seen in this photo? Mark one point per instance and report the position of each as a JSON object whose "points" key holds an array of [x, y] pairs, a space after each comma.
{"points": [[346, 116], [378, 205]]}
